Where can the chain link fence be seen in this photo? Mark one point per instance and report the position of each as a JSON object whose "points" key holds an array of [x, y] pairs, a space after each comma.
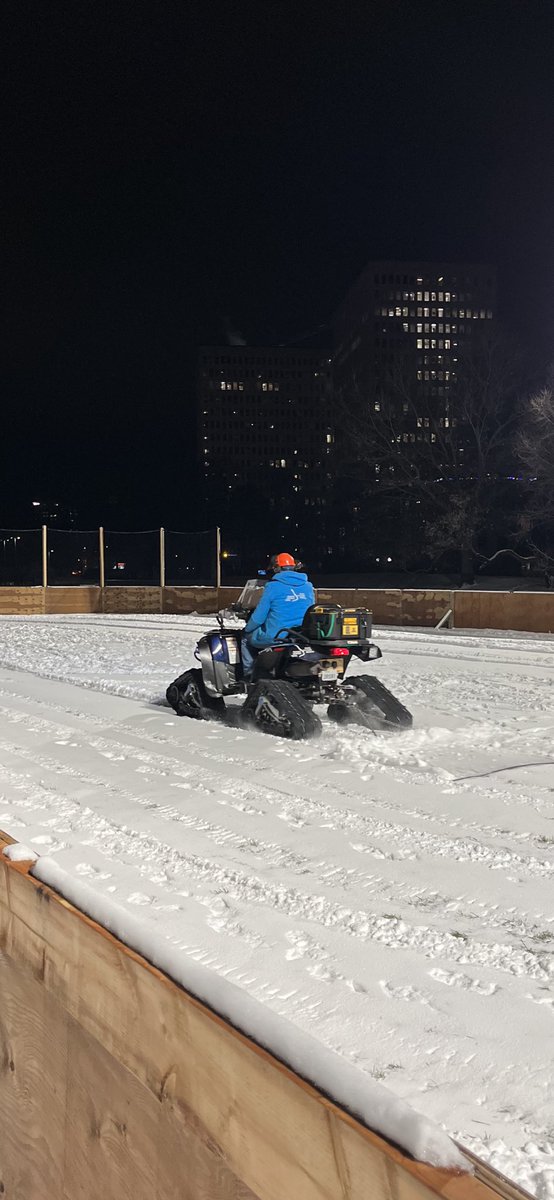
{"points": [[190, 558], [20, 557], [132, 558], [73, 557], [93, 557]]}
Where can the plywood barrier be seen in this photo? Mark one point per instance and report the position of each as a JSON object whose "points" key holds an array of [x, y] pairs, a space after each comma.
{"points": [[115, 1083], [131, 600], [424, 607], [21, 601], [191, 599], [530, 611], [72, 600], [386, 605]]}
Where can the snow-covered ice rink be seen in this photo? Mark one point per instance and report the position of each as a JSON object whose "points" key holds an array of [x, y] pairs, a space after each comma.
{"points": [[390, 895]]}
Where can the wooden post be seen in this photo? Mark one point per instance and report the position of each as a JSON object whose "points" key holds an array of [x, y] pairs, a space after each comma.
{"points": [[218, 558], [162, 558], [101, 559], [44, 556]]}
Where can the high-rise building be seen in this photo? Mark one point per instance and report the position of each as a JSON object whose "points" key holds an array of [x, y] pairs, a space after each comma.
{"points": [[400, 338], [264, 433], [426, 314]]}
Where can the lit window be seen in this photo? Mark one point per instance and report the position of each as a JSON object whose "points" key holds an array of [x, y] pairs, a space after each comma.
{"points": [[283, 462], [419, 344], [426, 296], [377, 406]]}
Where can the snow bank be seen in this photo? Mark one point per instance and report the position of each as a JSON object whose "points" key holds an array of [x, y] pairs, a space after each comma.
{"points": [[19, 853], [357, 1092]]}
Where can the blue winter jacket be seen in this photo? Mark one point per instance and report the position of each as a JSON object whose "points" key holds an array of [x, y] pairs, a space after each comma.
{"points": [[282, 606]]}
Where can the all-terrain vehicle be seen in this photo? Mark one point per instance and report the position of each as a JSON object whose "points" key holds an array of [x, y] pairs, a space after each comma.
{"points": [[304, 667]]}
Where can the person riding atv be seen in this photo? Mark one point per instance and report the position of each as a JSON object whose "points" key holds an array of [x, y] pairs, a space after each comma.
{"points": [[284, 602]]}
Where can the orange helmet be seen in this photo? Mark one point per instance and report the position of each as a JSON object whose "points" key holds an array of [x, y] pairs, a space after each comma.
{"points": [[280, 562]]}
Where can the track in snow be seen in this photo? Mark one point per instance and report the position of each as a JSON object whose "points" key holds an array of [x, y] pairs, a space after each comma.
{"points": [[355, 884]]}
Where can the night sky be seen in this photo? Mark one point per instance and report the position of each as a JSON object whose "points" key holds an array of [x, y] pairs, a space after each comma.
{"points": [[171, 170]]}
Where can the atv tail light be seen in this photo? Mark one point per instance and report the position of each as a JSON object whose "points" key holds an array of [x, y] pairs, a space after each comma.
{"points": [[339, 652]]}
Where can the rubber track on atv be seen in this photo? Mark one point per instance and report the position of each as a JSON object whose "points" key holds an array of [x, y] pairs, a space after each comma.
{"points": [[394, 713], [210, 706], [303, 722]]}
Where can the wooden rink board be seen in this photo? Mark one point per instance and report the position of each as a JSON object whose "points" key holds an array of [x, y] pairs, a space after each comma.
{"points": [[21, 601], [532, 612], [115, 1084], [187, 600]]}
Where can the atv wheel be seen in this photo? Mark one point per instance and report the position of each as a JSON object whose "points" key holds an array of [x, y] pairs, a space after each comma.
{"points": [[378, 707], [276, 707], [187, 695]]}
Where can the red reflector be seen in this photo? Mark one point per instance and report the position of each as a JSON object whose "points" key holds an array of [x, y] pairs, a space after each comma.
{"points": [[339, 652]]}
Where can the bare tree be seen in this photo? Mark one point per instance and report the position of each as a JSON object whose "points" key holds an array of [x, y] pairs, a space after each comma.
{"points": [[444, 444], [535, 450]]}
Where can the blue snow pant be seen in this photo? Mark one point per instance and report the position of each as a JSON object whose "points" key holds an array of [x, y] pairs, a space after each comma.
{"points": [[248, 654]]}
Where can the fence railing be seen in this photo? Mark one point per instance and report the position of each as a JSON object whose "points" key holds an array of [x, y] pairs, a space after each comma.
{"points": [[50, 557]]}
